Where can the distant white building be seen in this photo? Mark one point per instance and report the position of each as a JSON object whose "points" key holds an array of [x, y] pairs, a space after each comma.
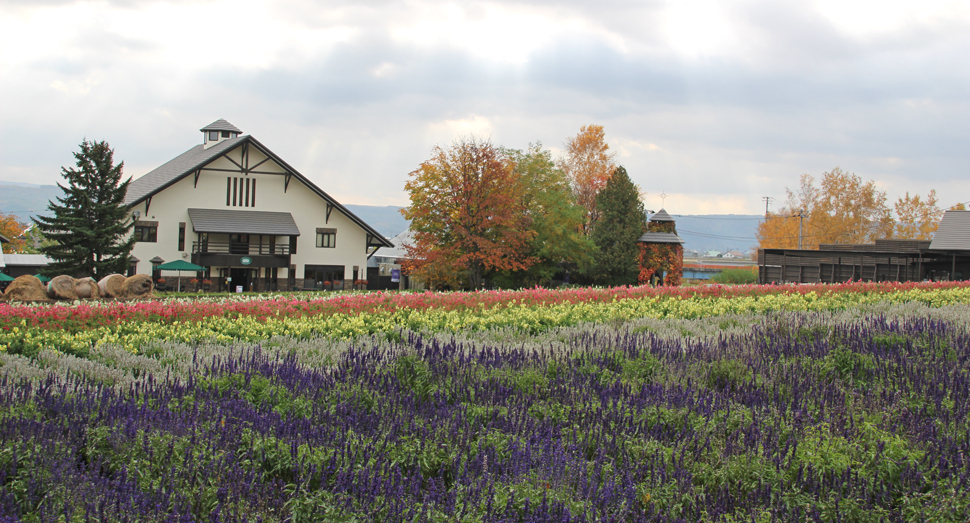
{"points": [[381, 266], [251, 220]]}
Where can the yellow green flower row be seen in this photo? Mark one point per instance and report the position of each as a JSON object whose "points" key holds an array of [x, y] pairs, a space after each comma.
{"points": [[527, 318]]}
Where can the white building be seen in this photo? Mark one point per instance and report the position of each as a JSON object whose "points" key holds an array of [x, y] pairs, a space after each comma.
{"points": [[232, 206]]}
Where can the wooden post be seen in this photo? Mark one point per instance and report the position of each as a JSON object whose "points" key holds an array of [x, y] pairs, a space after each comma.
{"points": [[784, 266]]}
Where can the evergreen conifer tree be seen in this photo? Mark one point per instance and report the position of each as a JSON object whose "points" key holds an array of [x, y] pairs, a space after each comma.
{"points": [[621, 223], [89, 229]]}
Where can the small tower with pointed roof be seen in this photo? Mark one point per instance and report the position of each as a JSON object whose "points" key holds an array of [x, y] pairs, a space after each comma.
{"points": [[218, 131], [661, 251]]}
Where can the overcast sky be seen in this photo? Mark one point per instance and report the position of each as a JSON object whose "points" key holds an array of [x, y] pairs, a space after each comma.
{"points": [[715, 103]]}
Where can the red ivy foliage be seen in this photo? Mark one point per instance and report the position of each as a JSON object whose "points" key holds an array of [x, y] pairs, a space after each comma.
{"points": [[661, 257]]}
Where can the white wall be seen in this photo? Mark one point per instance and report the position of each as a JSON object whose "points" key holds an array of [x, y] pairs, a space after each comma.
{"points": [[170, 206]]}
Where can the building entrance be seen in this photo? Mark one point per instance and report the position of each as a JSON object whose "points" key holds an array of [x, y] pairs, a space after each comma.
{"points": [[239, 277]]}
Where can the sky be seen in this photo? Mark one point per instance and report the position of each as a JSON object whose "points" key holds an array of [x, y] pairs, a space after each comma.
{"points": [[714, 104]]}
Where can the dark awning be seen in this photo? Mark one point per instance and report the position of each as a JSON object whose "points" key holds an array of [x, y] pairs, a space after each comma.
{"points": [[243, 222]]}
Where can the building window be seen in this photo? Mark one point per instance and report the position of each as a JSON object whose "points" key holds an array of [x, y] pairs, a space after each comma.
{"points": [[146, 232], [240, 192], [213, 136], [181, 236], [293, 245], [225, 134], [326, 238]]}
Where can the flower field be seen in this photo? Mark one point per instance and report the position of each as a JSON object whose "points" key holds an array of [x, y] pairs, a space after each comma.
{"points": [[720, 405], [77, 328]]}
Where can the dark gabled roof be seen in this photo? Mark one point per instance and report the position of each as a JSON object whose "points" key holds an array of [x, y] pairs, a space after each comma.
{"points": [[198, 157], [953, 233], [226, 221], [176, 169], [660, 237], [3, 239], [661, 216], [221, 125]]}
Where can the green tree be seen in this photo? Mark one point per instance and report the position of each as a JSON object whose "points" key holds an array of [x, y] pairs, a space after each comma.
{"points": [[89, 228], [622, 221], [558, 244]]}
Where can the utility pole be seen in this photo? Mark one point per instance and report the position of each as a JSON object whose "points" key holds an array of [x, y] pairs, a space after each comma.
{"points": [[801, 216], [767, 200]]}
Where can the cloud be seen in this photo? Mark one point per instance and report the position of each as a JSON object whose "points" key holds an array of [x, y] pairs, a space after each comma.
{"points": [[700, 97]]}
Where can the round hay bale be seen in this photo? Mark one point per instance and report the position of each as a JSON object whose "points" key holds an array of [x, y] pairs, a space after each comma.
{"points": [[87, 289], [26, 288], [110, 285], [62, 288], [137, 287]]}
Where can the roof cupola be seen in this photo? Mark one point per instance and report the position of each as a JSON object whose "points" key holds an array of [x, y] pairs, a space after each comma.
{"points": [[218, 131]]}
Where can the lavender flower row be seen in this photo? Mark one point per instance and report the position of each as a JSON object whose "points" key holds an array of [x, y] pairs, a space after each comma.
{"points": [[810, 417]]}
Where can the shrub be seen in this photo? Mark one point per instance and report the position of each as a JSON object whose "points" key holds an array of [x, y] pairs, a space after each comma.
{"points": [[735, 276]]}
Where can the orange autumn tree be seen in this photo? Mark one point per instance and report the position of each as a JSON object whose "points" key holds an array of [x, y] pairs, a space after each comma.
{"points": [[588, 165], [467, 215], [11, 228]]}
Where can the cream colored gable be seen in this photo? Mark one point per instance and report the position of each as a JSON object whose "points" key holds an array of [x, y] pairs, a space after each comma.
{"points": [[244, 159], [245, 179]]}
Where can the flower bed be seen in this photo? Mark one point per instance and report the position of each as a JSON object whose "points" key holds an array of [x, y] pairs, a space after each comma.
{"points": [[77, 328], [805, 416]]}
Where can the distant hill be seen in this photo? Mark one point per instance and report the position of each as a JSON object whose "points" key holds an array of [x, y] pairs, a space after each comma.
{"points": [[24, 201], [706, 232], [719, 232], [387, 220]]}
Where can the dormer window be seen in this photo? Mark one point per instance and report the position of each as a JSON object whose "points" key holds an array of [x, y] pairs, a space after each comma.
{"points": [[213, 136], [225, 134]]}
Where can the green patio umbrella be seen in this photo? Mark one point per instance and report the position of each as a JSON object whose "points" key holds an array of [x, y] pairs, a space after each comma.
{"points": [[42, 278], [5, 277], [180, 266]]}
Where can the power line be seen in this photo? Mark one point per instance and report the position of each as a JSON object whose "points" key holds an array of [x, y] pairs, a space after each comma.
{"points": [[708, 235], [697, 217]]}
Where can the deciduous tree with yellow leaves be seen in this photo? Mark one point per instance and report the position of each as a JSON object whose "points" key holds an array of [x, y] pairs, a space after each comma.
{"points": [[845, 209]]}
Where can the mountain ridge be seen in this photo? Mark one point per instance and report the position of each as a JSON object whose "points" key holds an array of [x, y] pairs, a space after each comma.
{"points": [[704, 232]]}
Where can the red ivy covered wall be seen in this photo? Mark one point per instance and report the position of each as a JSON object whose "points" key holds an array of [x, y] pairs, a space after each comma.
{"points": [[660, 257]]}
